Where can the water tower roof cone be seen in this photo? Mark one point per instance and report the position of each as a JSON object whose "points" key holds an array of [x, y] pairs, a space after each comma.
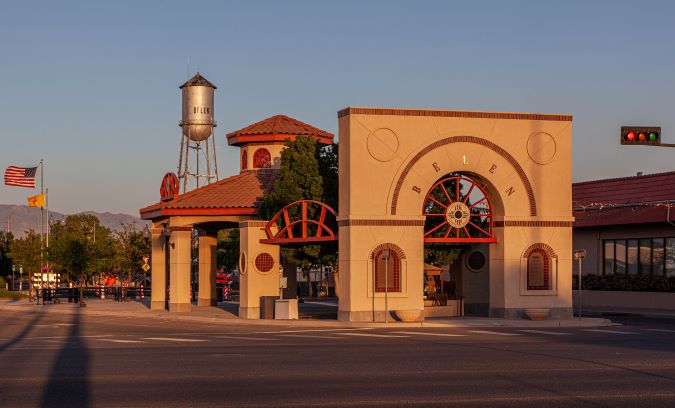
{"points": [[198, 80]]}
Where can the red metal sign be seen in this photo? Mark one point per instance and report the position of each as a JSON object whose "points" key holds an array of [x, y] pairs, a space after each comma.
{"points": [[169, 187]]}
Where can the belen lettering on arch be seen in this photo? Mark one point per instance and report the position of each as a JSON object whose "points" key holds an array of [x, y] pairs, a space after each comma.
{"points": [[492, 169]]}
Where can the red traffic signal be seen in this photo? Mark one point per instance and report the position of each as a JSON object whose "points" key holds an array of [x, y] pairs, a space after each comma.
{"points": [[640, 135]]}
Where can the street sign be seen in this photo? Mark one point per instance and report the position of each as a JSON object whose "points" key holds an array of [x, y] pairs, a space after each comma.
{"points": [[145, 267], [579, 254]]}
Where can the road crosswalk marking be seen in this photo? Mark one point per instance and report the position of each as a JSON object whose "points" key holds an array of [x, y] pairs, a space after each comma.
{"points": [[313, 330], [312, 336], [661, 330], [608, 331], [173, 339], [369, 335], [247, 338], [546, 332], [121, 341], [494, 333], [413, 333]]}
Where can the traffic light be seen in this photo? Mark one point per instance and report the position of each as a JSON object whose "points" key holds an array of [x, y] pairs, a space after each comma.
{"points": [[640, 135]]}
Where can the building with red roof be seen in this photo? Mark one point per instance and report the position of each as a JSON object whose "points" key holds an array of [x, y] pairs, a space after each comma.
{"points": [[626, 225]]}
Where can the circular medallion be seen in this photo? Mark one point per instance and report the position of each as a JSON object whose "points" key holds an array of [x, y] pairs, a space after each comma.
{"points": [[476, 261], [382, 144], [264, 262], [458, 214], [541, 147], [242, 263]]}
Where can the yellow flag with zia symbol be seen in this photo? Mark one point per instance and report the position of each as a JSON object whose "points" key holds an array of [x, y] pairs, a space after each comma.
{"points": [[37, 201]]}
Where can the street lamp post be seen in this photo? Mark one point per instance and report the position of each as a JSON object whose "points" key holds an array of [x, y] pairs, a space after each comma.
{"points": [[385, 258]]}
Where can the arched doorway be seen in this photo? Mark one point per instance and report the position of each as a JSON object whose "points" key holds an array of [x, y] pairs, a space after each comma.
{"points": [[458, 228]]}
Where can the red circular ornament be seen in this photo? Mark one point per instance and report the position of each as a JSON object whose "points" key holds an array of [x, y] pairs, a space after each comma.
{"points": [[264, 262]]}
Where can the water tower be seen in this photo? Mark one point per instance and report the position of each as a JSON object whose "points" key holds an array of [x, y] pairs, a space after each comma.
{"points": [[197, 162]]}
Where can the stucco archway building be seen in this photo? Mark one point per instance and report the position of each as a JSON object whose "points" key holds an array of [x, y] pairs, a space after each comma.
{"points": [[498, 184]]}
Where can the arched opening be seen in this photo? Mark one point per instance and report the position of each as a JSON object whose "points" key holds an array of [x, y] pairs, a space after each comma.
{"points": [[459, 226], [262, 158]]}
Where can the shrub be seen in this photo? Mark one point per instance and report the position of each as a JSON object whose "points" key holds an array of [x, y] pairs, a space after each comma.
{"points": [[6, 294], [635, 283]]}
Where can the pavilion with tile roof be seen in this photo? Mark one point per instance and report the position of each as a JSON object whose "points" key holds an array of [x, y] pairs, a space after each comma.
{"points": [[227, 203]]}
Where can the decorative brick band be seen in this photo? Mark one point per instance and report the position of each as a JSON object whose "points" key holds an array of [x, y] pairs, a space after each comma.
{"points": [[467, 139], [244, 224], [389, 246], [543, 247], [540, 224], [380, 223], [188, 228], [453, 114]]}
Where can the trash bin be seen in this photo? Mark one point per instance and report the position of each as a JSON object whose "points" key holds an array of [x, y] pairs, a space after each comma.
{"points": [[219, 294], [267, 307]]}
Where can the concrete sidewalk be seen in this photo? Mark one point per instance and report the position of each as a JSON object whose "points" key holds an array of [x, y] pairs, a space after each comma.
{"points": [[220, 315]]}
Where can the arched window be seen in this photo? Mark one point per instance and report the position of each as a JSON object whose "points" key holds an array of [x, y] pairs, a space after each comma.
{"points": [[244, 160], [538, 270], [262, 159], [387, 262]]}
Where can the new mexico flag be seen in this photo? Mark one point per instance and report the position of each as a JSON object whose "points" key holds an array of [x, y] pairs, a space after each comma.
{"points": [[37, 201]]}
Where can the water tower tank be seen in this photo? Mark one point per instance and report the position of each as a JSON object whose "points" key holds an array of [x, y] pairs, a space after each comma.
{"points": [[197, 121]]}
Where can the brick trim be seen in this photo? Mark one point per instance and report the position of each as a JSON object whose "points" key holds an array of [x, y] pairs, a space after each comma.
{"points": [[540, 224], [539, 246], [453, 114], [467, 139], [388, 245], [244, 224], [380, 223]]}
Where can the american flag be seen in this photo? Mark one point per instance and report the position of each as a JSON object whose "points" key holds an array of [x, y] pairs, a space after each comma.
{"points": [[20, 176]]}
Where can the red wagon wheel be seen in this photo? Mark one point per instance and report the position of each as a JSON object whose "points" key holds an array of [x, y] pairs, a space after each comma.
{"points": [[458, 209]]}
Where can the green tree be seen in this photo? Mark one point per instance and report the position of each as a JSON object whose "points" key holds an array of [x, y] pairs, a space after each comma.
{"points": [[27, 253], [131, 247], [80, 247], [228, 248], [6, 239], [441, 254]]}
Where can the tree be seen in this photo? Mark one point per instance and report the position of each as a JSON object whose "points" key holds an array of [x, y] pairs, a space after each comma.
{"points": [[131, 247], [80, 247], [27, 253], [228, 248], [300, 178], [6, 239]]}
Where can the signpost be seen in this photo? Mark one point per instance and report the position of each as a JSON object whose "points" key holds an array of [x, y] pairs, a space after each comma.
{"points": [[579, 255], [385, 258]]}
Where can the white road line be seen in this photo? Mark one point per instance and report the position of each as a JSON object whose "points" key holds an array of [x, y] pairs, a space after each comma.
{"points": [[608, 331], [546, 332], [494, 333], [311, 336], [246, 338], [429, 334], [173, 339], [312, 330], [66, 337], [661, 330], [368, 335], [121, 341]]}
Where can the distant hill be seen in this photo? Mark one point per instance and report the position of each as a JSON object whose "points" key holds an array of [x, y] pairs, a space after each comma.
{"points": [[23, 218]]}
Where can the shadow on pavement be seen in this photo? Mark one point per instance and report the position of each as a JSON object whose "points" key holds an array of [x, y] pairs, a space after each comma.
{"points": [[68, 382], [27, 328]]}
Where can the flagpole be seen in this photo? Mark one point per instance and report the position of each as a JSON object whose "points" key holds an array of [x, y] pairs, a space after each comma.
{"points": [[42, 227]]}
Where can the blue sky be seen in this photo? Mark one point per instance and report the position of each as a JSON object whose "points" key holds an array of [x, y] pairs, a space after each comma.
{"points": [[92, 87]]}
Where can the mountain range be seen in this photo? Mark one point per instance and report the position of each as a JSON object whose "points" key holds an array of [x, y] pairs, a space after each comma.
{"points": [[20, 218]]}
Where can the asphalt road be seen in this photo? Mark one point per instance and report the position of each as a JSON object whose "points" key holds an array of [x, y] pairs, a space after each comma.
{"points": [[79, 361]]}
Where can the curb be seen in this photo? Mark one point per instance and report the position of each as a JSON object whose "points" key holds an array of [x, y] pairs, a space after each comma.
{"points": [[433, 323]]}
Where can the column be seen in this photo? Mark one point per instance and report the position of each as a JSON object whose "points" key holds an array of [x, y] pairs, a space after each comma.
{"points": [[158, 270], [259, 268], [179, 269], [207, 270]]}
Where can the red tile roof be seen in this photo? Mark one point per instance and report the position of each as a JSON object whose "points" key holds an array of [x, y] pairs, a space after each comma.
{"points": [[236, 195], [627, 200], [277, 128]]}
